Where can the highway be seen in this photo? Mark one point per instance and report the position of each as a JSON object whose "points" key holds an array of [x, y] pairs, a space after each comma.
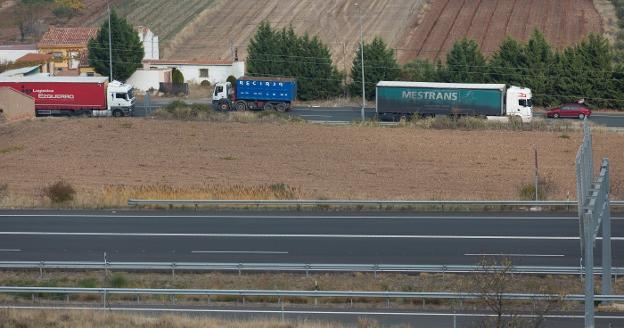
{"points": [[351, 114], [295, 237]]}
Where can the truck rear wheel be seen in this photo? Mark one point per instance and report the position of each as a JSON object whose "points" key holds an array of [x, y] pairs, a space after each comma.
{"points": [[241, 105], [281, 107], [118, 113], [267, 106]]}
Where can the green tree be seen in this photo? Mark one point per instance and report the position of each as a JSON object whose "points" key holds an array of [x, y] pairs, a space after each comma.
{"points": [[420, 70], [509, 64], [127, 49], [465, 63], [540, 63], [283, 53], [379, 65], [262, 50]]}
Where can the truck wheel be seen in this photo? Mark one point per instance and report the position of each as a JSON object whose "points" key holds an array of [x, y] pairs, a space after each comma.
{"points": [[581, 116], [280, 108], [224, 107], [241, 105], [555, 115], [117, 113], [267, 106]]}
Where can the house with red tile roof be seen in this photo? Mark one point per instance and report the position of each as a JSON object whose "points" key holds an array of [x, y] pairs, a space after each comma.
{"points": [[68, 46]]}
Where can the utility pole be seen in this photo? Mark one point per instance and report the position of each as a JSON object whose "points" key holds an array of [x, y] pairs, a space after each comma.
{"points": [[110, 46], [362, 60]]}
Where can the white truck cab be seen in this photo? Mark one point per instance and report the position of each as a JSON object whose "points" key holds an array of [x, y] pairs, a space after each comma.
{"points": [[520, 103], [222, 95], [120, 99]]}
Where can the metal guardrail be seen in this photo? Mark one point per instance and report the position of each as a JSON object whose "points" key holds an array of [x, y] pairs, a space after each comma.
{"points": [[290, 267], [378, 203], [296, 293]]}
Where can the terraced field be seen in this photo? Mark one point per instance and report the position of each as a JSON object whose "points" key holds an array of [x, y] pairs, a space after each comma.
{"points": [[564, 22], [231, 24]]}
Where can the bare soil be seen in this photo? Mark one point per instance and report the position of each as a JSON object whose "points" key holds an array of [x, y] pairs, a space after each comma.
{"points": [[319, 161], [564, 22], [231, 24]]}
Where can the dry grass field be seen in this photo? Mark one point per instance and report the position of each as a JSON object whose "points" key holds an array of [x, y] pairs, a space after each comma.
{"points": [[109, 160], [108, 319]]}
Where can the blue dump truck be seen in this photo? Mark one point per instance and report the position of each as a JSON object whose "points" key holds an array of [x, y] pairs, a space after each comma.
{"points": [[255, 93], [399, 100]]}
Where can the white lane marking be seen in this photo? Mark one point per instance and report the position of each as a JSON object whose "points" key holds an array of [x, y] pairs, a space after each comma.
{"points": [[514, 255], [414, 314], [249, 235], [239, 252], [359, 217], [10, 250]]}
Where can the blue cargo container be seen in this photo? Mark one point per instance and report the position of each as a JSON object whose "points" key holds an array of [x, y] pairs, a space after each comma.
{"points": [[256, 93]]}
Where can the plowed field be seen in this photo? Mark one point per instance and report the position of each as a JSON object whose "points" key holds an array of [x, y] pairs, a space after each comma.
{"points": [[231, 24], [322, 161], [564, 22]]}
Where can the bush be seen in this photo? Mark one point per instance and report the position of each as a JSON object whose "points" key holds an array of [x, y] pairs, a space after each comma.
{"points": [[88, 283], [4, 190], [545, 187], [119, 281], [63, 12], [205, 83], [177, 77], [60, 192]]}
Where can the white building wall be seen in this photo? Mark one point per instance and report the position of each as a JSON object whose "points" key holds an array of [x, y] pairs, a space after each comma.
{"points": [[150, 44], [145, 80], [12, 55], [216, 73]]}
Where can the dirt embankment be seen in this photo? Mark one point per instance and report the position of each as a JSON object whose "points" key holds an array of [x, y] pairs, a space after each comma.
{"points": [[320, 161]]}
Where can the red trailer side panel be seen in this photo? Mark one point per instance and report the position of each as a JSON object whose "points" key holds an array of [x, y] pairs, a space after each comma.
{"points": [[63, 95]]}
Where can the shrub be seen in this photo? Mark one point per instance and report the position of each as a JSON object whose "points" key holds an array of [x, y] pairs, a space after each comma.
{"points": [[119, 281], [60, 192], [88, 283], [545, 187], [205, 83], [4, 190], [177, 77]]}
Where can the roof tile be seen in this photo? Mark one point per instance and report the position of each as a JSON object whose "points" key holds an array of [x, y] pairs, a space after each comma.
{"points": [[68, 36]]}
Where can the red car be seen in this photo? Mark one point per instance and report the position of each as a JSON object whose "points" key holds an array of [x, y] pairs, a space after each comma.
{"points": [[569, 110]]}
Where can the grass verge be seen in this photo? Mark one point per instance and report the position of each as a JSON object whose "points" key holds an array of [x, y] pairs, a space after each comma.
{"points": [[180, 110]]}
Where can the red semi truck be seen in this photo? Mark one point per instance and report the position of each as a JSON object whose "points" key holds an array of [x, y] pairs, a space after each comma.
{"points": [[91, 96]]}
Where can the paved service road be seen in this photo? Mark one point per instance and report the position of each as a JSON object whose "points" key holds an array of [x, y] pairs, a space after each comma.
{"points": [[295, 237]]}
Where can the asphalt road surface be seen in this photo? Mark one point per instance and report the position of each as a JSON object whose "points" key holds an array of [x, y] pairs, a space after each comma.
{"points": [[351, 114], [296, 237]]}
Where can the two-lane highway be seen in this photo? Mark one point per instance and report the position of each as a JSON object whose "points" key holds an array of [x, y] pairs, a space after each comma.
{"points": [[295, 237]]}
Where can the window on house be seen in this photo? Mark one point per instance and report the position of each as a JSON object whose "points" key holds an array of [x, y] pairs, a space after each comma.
{"points": [[203, 72], [57, 55], [90, 74]]}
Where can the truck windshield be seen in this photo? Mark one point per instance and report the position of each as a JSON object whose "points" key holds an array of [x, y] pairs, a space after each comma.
{"points": [[525, 102], [130, 94]]}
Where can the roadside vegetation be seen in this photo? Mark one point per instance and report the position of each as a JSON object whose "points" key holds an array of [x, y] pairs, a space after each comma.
{"points": [[495, 280], [107, 319], [179, 110]]}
